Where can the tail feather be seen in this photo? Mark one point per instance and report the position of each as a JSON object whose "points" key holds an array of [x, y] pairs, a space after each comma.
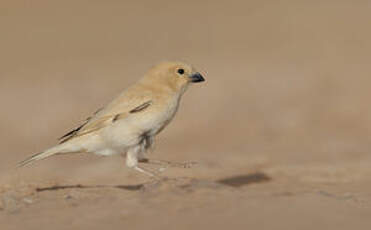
{"points": [[38, 156]]}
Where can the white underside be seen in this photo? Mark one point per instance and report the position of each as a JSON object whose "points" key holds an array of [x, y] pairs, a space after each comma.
{"points": [[120, 136]]}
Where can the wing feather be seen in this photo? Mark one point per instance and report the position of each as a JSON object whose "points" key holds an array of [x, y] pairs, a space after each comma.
{"points": [[100, 120]]}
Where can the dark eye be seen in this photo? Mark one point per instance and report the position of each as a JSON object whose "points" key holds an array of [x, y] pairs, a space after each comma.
{"points": [[181, 71]]}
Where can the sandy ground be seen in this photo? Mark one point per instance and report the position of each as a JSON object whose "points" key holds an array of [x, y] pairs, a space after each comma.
{"points": [[280, 130]]}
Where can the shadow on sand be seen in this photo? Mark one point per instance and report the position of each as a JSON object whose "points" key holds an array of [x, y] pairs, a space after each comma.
{"points": [[79, 186], [233, 181], [241, 180]]}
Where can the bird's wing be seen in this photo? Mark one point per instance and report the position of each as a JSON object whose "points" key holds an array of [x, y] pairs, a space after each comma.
{"points": [[107, 116], [76, 130]]}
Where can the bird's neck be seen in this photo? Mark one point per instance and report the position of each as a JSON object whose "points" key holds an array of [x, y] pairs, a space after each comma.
{"points": [[162, 89]]}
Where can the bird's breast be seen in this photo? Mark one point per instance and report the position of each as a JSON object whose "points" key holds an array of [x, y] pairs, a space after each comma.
{"points": [[158, 116], [150, 121]]}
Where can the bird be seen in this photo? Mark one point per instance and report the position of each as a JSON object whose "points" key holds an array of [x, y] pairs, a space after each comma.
{"points": [[129, 123]]}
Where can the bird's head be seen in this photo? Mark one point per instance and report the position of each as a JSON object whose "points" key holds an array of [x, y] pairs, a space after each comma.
{"points": [[175, 75]]}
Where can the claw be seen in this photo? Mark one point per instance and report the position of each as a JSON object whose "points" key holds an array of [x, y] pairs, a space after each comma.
{"points": [[189, 164], [167, 164]]}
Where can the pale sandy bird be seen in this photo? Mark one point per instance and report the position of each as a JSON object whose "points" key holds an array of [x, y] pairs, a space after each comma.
{"points": [[130, 122]]}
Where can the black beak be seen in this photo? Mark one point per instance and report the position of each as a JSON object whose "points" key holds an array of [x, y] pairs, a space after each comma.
{"points": [[197, 77]]}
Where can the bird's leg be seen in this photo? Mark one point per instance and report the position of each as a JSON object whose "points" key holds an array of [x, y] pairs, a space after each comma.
{"points": [[167, 163], [132, 161]]}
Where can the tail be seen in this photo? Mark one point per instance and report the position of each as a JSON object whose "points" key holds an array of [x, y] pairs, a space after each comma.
{"points": [[39, 156]]}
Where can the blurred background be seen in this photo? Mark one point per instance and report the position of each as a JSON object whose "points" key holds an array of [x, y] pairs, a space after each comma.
{"points": [[287, 88]]}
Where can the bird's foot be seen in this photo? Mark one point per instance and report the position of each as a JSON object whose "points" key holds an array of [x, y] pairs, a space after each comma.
{"points": [[188, 164], [147, 172]]}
